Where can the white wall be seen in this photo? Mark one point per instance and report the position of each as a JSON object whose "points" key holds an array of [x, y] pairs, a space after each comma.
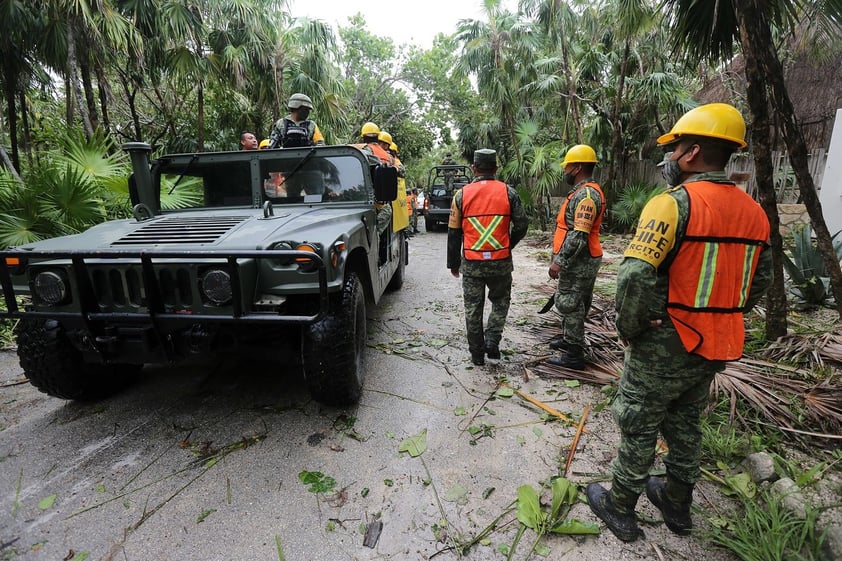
{"points": [[830, 195]]}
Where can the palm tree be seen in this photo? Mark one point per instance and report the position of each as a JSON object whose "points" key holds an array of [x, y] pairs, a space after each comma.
{"points": [[500, 53], [709, 31], [18, 29]]}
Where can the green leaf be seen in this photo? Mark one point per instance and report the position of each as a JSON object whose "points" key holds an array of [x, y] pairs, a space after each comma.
{"points": [[460, 411], [47, 502], [415, 445], [317, 481], [742, 485], [574, 527], [388, 482], [81, 556], [572, 383], [564, 493], [542, 549], [474, 430], [437, 342], [457, 494], [364, 492], [538, 432], [528, 509], [204, 514], [505, 392]]}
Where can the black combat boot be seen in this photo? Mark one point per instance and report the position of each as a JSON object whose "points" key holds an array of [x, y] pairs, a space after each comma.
{"points": [[478, 358], [673, 499], [619, 518], [573, 358], [492, 350], [558, 343]]}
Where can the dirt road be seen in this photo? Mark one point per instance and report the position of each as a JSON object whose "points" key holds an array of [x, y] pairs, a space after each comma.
{"points": [[206, 462]]}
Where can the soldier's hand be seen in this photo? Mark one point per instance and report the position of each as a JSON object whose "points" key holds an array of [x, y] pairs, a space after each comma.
{"points": [[455, 272], [555, 269]]}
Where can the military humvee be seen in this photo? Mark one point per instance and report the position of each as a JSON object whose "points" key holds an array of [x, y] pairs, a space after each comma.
{"points": [[278, 246], [444, 180]]}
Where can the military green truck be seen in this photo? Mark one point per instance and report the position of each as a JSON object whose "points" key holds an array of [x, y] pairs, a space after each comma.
{"points": [[279, 248], [443, 181]]}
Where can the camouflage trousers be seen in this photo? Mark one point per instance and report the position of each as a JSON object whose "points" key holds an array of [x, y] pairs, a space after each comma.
{"points": [[500, 295], [664, 389], [574, 295]]}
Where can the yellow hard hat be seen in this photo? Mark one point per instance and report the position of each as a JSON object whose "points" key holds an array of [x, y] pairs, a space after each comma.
{"points": [[369, 128], [714, 120], [393, 147], [263, 144], [579, 154], [384, 137]]}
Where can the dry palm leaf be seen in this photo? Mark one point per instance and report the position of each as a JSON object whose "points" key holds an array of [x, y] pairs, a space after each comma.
{"points": [[783, 395]]}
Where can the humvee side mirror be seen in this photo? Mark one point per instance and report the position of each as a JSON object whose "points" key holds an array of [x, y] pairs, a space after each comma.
{"points": [[385, 183]]}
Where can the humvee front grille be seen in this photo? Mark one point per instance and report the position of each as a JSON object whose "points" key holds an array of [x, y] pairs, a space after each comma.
{"points": [[182, 230]]}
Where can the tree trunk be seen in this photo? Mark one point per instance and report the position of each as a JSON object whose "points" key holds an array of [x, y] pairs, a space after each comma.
{"points": [[87, 84], [10, 86], [105, 96], [73, 78], [759, 34], [24, 120], [4, 157], [614, 174], [200, 119], [776, 308]]}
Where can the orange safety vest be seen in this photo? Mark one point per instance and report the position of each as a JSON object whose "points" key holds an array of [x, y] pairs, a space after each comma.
{"points": [[486, 215], [410, 203], [710, 277], [378, 151], [594, 247]]}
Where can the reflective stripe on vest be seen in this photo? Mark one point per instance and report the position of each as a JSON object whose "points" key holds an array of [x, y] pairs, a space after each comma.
{"points": [[710, 277], [486, 216], [594, 246]]}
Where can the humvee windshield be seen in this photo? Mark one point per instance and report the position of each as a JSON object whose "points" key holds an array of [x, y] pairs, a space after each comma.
{"points": [[280, 178]]}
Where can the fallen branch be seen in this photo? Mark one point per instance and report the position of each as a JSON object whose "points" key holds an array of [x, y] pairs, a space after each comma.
{"points": [[541, 405], [579, 429]]}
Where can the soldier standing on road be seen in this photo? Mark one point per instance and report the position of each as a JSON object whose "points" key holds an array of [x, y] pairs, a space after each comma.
{"points": [[577, 254], [296, 129], [487, 220], [698, 261]]}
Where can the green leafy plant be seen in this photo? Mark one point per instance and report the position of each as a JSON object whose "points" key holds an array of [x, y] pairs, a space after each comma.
{"points": [[625, 212], [766, 531], [531, 515], [808, 277]]}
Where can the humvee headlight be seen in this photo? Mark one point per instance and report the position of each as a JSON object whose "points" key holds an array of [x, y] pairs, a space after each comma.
{"points": [[216, 286], [304, 264], [50, 288]]}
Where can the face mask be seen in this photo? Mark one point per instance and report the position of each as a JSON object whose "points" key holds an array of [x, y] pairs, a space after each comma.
{"points": [[672, 171], [569, 178]]}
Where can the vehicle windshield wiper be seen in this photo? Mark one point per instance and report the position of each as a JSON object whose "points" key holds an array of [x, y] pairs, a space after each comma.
{"points": [[186, 169], [300, 164]]}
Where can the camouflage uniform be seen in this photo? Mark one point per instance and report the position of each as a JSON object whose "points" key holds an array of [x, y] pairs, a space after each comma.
{"points": [[663, 387], [578, 273], [479, 275]]}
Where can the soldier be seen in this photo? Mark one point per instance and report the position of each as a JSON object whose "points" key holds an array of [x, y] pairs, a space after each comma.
{"points": [[577, 254], [296, 129], [487, 220], [248, 141], [371, 144], [697, 263]]}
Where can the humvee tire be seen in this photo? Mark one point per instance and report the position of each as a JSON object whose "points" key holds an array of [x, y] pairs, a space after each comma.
{"points": [[397, 278], [430, 224], [333, 349], [54, 366]]}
